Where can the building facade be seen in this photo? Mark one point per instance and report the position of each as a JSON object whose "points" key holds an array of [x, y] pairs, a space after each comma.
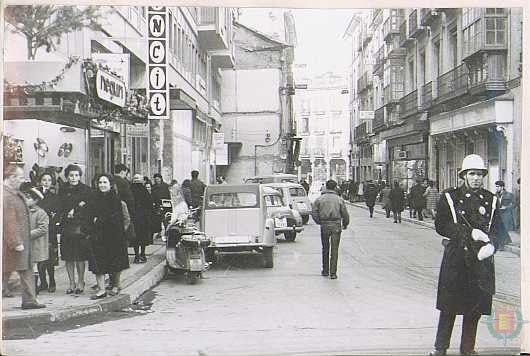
{"points": [[256, 106], [100, 132], [323, 121], [446, 83]]}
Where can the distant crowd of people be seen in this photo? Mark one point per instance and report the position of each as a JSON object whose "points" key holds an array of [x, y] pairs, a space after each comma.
{"points": [[86, 226]]}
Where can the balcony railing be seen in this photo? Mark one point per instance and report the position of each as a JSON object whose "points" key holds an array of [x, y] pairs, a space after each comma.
{"points": [[426, 96], [194, 14], [453, 83], [379, 119], [362, 130], [393, 92], [394, 50], [427, 16], [404, 34], [408, 104], [391, 26], [208, 15]]}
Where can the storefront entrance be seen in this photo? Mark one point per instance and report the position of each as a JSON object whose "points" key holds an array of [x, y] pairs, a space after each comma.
{"points": [[104, 149]]}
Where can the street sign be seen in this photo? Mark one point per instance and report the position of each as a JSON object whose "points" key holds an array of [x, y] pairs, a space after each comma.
{"points": [[218, 139], [157, 66]]}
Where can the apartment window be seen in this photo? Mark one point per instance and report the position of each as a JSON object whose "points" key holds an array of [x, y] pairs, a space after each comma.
{"points": [[453, 47], [495, 27], [304, 125], [412, 76]]}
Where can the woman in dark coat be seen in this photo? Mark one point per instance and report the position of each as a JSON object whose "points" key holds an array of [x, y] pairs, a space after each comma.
{"points": [[143, 210], [397, 202], [74, 198], [108, 217], [50, 206]]}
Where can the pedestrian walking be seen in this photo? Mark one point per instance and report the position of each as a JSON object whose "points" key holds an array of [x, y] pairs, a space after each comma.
{"points": [[360, 191], [143, 206], [155, 217], [74, 197], [197, 189], [109, 219], [431, 196], [16, 253], [417, 199], [329, 211], [353, 190], [506, 204], [49, 205], [370, 196], [468, 218], [397, 202], [159, 191], [123, 189], [385, 199], [39, 225], [304, 184]]}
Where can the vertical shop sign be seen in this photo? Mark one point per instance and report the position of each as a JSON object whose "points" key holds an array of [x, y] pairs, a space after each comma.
{"points": [[158, 88]]}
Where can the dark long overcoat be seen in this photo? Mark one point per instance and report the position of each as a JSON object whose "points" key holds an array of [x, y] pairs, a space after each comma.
{"points": [[370, 194], [16, 231], [107, 233], [397, 199], [143, 212], [466, 284]]}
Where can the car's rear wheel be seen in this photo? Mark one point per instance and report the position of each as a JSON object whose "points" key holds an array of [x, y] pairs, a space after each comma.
{"points": [[268, 260], [305, 219], [290, 236]]}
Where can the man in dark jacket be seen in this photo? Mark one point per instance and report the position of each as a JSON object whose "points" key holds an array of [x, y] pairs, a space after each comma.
{"points": [[469, 220], [123, 187], [370, 196], [16, 248], [329, 211], [197, 189], [304, 184], [417, 200]]}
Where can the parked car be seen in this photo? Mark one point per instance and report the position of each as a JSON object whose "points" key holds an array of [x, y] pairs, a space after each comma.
{"points": [[287, 221], [235, 218], [273, 178], [294, 195]]}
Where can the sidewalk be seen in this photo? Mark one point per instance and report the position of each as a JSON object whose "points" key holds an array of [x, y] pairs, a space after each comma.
{"points": [[514, 247], [137, 279]]}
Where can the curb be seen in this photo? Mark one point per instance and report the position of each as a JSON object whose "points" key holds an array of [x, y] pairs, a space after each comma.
{"points": [[513, 249], [129, 294]]}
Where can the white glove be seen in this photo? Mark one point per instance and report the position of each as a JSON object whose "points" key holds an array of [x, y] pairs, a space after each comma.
{"points": [[485, 252], [19, 248], [479, 235]]}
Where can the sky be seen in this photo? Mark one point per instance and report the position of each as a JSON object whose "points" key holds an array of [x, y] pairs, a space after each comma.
{"points": [[320, 32]]}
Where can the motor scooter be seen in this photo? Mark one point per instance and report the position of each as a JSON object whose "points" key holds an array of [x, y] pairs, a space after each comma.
{"points": [[185, 246]]}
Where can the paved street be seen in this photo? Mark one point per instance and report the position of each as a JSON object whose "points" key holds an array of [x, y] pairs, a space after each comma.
{"points": [[382, 303]]}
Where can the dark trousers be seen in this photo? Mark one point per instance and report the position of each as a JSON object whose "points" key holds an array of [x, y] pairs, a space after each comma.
{"points": [[397, 215], [445, 328], [330, 235], [419, 212], [43, 267], [371, 209], [387, 210]]}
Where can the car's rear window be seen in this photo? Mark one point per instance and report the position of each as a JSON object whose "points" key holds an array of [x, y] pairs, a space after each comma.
{"points": [[297, 192], [231, 200]]}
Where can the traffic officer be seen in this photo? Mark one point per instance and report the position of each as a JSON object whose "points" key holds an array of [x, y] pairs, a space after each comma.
{"points": [[469, 220], [329, 211]]}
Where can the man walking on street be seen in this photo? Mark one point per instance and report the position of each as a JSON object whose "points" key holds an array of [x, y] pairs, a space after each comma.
{"points": [[468, 218], [370, 196], [417, 199], [16, 246], [197, 189], [506, 203], [329, 211]]}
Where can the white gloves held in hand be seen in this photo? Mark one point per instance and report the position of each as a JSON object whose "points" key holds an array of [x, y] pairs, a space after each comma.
{"points": [[19, 248], [485, 252], [479, 235]]}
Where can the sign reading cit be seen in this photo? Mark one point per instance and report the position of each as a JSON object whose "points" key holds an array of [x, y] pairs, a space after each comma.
{"points": [[110, 88], [157, 67]]}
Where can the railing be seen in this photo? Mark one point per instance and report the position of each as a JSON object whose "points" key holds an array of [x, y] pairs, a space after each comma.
{"points": [[413, 23], [194, 14], [408, 104], [453, 83], [208, 15], [391, 26], [426, 96], [379, 118], [393, 92]]}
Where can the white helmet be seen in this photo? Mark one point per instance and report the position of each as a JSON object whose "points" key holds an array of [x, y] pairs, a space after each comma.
{"points": [[472, 162]]}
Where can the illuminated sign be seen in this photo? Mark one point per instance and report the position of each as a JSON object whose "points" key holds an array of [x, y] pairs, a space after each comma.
{"points": [[157, 67]]}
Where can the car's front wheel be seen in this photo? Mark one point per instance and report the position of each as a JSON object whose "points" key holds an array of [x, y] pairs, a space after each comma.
{"points": [[290, 236], [268, 260]]}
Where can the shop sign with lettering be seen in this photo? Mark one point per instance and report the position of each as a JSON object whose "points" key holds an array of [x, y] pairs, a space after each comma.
{"points": [[110, 88], [157, 68]]}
